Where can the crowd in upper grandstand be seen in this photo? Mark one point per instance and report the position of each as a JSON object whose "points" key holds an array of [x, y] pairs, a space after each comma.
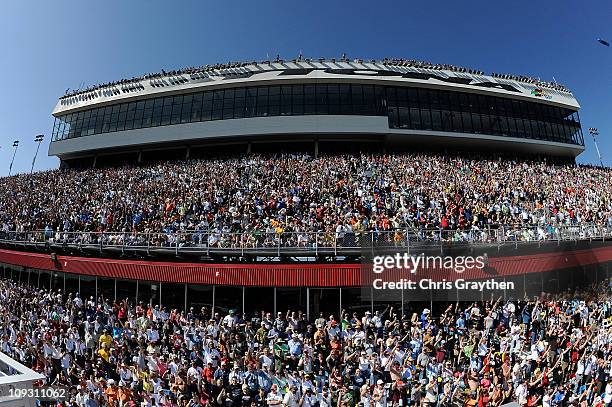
{"points": [[455, 68], [255, 198], [555, 351], [129, 83]]}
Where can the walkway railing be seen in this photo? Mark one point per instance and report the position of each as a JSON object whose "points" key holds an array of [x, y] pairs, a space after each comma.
{"points": [[312, 243]]}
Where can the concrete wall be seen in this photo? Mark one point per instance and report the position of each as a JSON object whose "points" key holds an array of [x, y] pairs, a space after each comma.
{"points": [[308, 126]]}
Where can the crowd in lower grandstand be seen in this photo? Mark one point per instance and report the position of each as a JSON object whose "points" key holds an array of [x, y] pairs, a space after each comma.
{"points": [[555, 351], [255, 198]]}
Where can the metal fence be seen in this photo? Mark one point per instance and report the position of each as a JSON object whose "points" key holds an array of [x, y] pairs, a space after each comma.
{"points": [[314, 243]]}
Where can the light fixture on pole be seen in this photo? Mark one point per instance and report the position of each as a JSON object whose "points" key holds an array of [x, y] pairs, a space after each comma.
{"points": [[594, 132], [39, 138], [15, 145]]}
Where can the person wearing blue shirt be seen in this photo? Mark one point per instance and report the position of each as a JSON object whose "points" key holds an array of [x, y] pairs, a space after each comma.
{"points": [[295, 345], [251, 379], [409, 371], [264, 380], [117, 331], [460, 324], [424, 317], [358, 379], [558, 397]]}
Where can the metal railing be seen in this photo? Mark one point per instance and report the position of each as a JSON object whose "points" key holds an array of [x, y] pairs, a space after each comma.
{"points": [[315, 243]]}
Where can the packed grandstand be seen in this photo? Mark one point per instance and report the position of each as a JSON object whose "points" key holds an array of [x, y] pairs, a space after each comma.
{"points": [[549, 352], [252, 200]]}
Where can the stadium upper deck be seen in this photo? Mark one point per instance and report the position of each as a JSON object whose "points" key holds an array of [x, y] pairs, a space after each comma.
{"points": [[389, 102]]}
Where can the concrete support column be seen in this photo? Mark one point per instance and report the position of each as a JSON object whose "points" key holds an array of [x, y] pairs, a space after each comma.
{"points": [[308, 303], [249, 147], [316, 148], [139, 157], [95, 161], [340, 304], [185, 297]]}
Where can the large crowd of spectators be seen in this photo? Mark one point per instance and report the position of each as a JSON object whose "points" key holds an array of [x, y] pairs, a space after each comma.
{"points": [[554, 351], [337, 195], [455, 68], [134, 82], [536, 81]]}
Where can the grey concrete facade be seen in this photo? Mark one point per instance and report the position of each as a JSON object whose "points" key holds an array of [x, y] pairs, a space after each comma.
{"points": [[309, 127]]}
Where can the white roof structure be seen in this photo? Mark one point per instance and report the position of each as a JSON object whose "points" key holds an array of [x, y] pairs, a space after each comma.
{"points": [[378, 72], [518, 113]]}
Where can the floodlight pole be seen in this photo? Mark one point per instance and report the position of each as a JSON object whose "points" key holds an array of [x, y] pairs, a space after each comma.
{"points": [[15, 145], [38, 140], [594, 132]]}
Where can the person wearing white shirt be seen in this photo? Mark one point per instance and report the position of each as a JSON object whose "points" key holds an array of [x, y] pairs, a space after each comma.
{"points": [[579, 370], [364, 362], [379, 395], [78, 302], [607, 398], [211, 355], [291, 398], [359, 335], [546, 400], [173, 367], [230, 319], [152, 363], [521, 393], [325, 398], [274, 398], [264, 358], [70, 343], [365, 396], [80, 396], [5, 346], [309, 399], [377, 320], [193, 372], [212, 329], [236, 373]]}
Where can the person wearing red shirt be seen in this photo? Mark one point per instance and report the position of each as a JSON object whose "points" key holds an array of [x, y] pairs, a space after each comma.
{"points": [[208, 373]]}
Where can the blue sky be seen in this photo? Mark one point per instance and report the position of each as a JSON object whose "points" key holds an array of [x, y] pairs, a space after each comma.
{"points": [[48, 46]]}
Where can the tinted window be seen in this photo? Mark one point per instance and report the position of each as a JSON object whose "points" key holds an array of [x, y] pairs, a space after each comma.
{"points": [[406, 108]]}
